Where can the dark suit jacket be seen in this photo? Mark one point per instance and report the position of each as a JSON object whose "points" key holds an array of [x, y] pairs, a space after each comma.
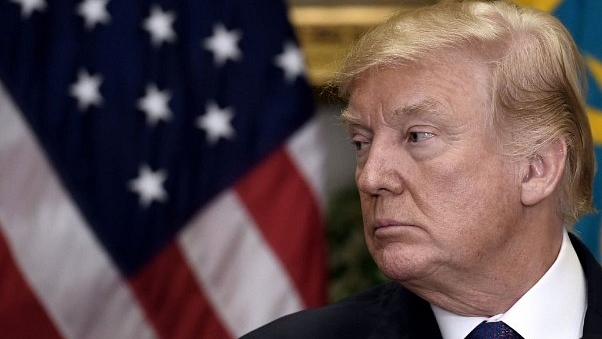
{"points": [[390, 311]]}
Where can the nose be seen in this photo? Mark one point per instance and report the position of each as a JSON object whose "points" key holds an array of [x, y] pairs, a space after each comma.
{"points": [[380, 173]]}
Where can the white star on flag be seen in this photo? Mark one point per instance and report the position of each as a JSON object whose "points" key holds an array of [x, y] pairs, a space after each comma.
{"points": [[159, 25], [28, 6], [291, 61], [155, 104], [223, 44], [149, 185], [94, 12], [217, 123], [87, 90]]}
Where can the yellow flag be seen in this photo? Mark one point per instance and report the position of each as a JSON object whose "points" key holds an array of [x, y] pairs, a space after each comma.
{"points": [[595, 115], [544, 5]]}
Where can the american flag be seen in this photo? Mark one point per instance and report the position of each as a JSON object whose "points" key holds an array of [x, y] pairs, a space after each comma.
{"points": [[160, 169]]}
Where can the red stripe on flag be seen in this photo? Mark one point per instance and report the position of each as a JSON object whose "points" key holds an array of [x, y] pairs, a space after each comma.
{"points": [[173, 300], [284, 208], [21, 314]]}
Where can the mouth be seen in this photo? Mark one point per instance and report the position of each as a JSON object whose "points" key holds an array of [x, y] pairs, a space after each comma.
{"points": [[390, 224], [386, 222]]}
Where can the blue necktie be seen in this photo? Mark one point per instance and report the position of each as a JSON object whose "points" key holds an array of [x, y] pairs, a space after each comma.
{"points": [[493, 330]]}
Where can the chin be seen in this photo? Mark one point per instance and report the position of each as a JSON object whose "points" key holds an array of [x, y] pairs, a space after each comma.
{"points": [[398, 265]]}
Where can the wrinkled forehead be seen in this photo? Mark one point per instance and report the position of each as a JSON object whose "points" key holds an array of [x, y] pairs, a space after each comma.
{"points": [[474, 56], [425, 83]]}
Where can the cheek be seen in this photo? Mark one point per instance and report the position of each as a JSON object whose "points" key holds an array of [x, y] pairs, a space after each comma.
{"points": [[466, 179], [444, 189], [473, 202], [367, 202]]}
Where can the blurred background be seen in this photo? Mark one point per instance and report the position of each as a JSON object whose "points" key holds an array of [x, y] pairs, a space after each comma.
{"points": [[176, 168]]}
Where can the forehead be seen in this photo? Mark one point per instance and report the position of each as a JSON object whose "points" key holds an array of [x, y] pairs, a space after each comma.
{"points": [[458, 83]]}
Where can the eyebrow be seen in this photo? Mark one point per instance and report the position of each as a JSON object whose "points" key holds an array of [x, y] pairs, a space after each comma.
{"points": [[349, 119], [428, 106]]}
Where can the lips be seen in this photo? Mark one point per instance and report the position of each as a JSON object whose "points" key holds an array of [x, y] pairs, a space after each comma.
{"points": [[385, 223]]}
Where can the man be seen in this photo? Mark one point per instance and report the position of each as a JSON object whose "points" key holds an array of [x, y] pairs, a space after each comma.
{"points": [[474, 157]]}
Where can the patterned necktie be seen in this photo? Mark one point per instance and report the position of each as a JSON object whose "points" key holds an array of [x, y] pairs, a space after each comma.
{"points": [[493, 330]]}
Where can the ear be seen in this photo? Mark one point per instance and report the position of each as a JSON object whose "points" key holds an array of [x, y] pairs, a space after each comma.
{"points": [[545, 169]]}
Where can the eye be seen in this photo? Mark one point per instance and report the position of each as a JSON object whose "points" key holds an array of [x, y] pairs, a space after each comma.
{"points": [[360, 137], [359, 145], [360, 142], [419, 136]]}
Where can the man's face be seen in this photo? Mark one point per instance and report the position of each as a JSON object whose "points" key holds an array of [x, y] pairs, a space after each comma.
{"points": [[437, 197]]}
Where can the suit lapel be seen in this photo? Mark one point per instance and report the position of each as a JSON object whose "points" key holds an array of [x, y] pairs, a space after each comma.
{"points": [[405, 316], [592, 327]]}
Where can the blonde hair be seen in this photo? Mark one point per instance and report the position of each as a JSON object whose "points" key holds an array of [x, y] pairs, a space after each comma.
{"points": [[537, 77]]}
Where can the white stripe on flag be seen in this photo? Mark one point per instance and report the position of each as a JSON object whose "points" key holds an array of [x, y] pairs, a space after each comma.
{"points": [[242, 277], [58, 255], [307, 150]]}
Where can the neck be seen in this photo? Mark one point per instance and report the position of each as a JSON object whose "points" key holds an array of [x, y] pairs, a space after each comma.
{"points": [[494, 286]]}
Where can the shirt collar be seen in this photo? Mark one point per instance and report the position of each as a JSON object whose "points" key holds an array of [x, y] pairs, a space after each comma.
{"points": [[554, 308]]}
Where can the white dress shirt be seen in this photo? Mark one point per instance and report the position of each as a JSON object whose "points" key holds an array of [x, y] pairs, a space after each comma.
{"points": [[554, 308]]}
